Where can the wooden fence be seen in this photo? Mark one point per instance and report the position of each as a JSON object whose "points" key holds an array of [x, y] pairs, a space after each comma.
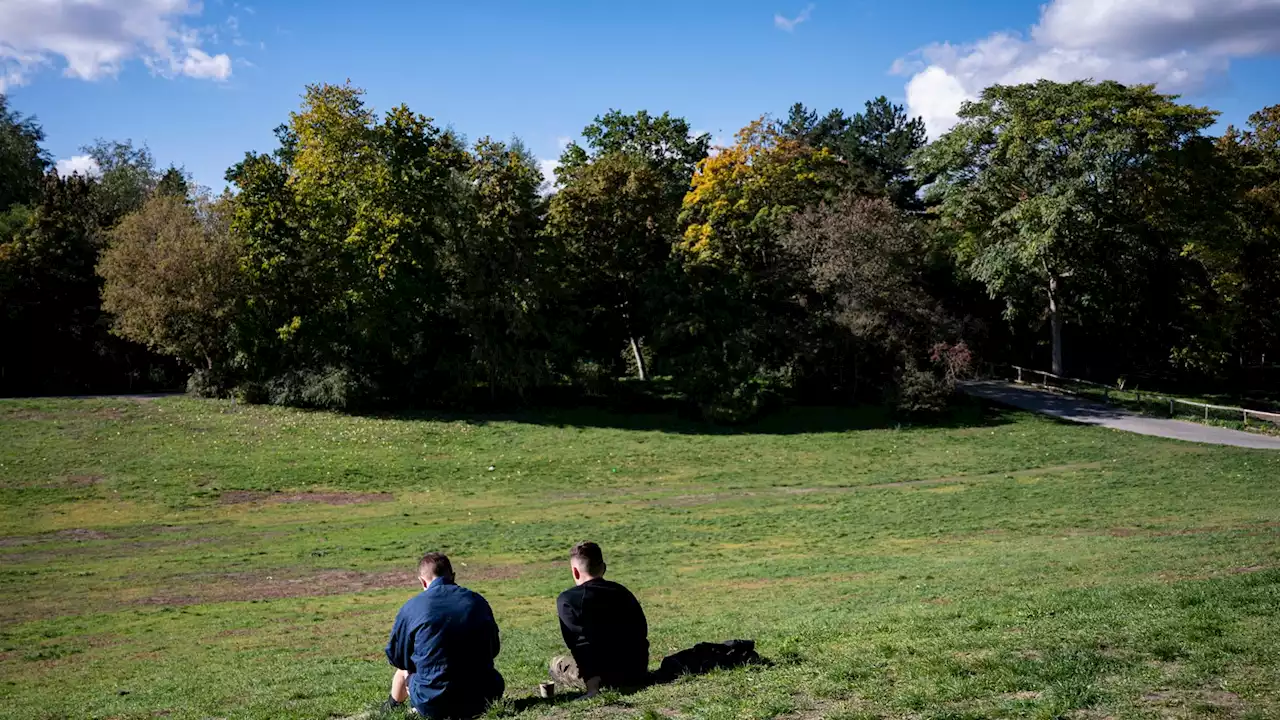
{"points": [[1026, 376]]}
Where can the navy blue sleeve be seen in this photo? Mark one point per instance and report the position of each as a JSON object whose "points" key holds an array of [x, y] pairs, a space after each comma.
{"points": [[400, 646], [495, 642]]}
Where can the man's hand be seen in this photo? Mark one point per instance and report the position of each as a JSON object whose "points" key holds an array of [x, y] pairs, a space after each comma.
{"points": [[593, 687]]}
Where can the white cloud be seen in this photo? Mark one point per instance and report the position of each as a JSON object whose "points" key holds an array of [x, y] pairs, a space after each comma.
{"points": [[789, 24], [548, 168], [1177, 44], [563, 142], [78, 165], [199, 64], [92, 39]]}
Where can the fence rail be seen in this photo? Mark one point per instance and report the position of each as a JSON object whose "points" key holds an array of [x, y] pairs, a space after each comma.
{"points": [[1173, 402]]}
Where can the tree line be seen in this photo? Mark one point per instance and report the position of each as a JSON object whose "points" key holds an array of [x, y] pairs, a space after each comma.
{"points": [[374, 260]]}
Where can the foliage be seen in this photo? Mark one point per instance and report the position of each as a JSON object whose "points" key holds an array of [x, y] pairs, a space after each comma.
{"points": [[171, 278], [49, 296], [875, 146], [664, 142], [613, 225], [376, 259], [1054, 190], [498, 273], [343, 235], [22, 160], [864, 262], [741, 197], [127, 178]]}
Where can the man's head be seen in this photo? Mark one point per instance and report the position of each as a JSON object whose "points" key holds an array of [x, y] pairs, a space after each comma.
{"points": [[586, 561], [434, 565]]}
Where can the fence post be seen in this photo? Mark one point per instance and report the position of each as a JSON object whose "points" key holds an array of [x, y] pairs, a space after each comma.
{"points": [[1170, 407], [1206, 413], [1019, 374]]}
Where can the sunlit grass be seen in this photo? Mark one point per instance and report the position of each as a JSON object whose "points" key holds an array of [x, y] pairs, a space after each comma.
{"points": [[992, 565]]}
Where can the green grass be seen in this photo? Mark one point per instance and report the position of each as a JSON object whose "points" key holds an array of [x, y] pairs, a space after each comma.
{"points": [[995, 565]]}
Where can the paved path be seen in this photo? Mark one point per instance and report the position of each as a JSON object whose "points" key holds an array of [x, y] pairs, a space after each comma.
{"points": [[1075, 409]]}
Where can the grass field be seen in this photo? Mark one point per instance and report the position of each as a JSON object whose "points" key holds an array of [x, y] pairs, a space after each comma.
{"points": [[194, 559]]}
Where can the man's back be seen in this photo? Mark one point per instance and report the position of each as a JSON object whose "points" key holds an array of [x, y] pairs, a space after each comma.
{"points": [[604, 627], [446, 637]]}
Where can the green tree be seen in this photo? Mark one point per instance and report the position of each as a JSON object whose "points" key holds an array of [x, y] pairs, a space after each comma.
{"points": [[665, 142], [344, 230], [1049, 188], [49, 293], [128, 177], [495, 270], [171, 279], [173, 183], [875, 146], [1238, 246], [882, 140], [22, 160], [614, 225]]}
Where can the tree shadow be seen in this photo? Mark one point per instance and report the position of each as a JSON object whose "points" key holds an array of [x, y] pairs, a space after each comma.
{"points": [[676, 417]]}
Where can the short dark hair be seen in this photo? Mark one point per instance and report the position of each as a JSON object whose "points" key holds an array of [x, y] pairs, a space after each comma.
{"points": [[590, 555], [435, 564]]}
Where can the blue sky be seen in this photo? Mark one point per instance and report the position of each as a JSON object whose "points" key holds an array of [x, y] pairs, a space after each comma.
{"points": [[203, 84]]}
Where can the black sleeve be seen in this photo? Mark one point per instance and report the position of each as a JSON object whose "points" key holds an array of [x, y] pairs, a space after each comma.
{"points": [[571, 630], [641, 621]]}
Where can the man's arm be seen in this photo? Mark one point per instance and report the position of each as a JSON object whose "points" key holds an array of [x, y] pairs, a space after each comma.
{"points": [[400, 645], [571, 630], [495, 641]]}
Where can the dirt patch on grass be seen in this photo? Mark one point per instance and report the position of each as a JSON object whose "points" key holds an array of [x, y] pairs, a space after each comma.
{"points": [[281, 584], [988, 476], [241, 497], [266, 585], [81, 534], [1195, 703], [74, 534]]}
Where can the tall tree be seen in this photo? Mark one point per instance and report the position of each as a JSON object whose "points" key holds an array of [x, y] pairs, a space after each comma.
{"points": [[496, 269], [1048, 187], [49, 293], [344, 230], [171, 279], [128, 177], [663, 141], [22, 160], [882, 139], [614, 225], [173, 183]]}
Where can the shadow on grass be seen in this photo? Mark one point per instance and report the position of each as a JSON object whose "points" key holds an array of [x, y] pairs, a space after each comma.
{"points": [[674, 416]]}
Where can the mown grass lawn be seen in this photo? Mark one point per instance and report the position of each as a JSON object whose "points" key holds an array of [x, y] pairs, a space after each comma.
{"points": [[193, 559]]}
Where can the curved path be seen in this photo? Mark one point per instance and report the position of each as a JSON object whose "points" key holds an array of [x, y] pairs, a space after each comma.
{"points": [[1075, 409]]}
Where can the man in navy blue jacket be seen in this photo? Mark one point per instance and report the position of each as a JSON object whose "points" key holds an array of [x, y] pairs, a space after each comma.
{"points": [[443, 645]]}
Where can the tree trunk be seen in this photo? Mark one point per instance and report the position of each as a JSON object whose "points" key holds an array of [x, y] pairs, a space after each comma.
{"points": [[1055, 324], [640, 369]]}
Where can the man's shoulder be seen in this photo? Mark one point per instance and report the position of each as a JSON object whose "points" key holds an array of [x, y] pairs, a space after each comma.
{"points": [[570, 594], [616, 587]]}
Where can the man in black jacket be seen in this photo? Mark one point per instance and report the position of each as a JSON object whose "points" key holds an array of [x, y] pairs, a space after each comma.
{"points": [[603, 627]]}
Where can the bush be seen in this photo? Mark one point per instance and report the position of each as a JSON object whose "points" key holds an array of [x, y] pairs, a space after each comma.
{"points": [[921, 392], [326, 389], [206, 384]]}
